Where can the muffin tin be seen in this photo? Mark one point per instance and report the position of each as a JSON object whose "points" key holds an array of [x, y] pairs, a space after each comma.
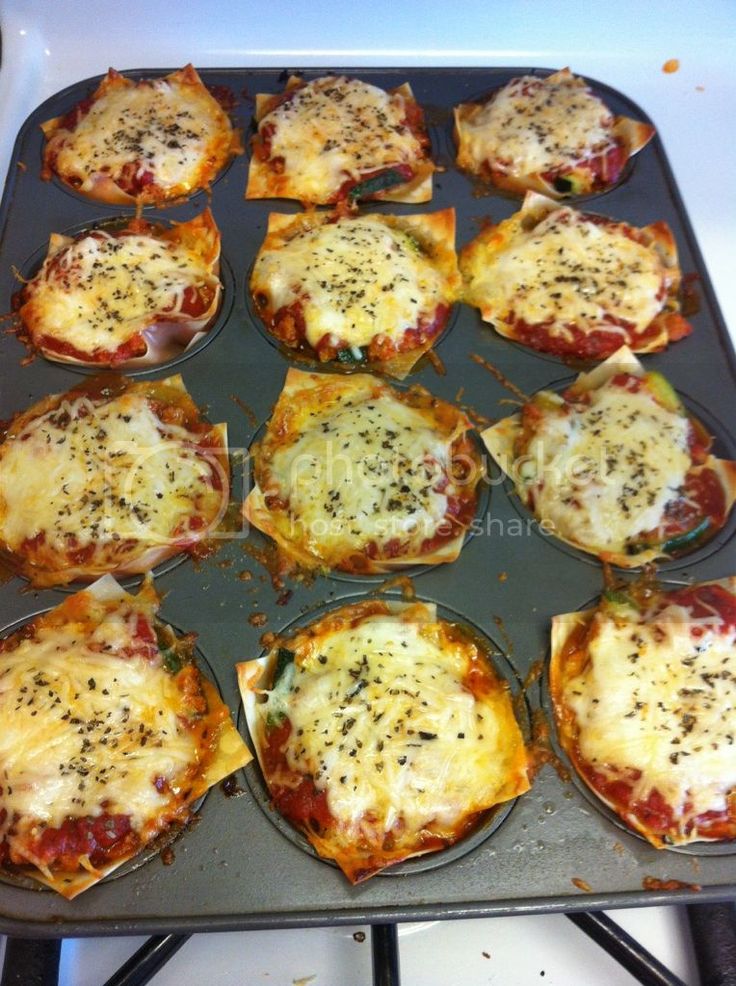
{"points": [[235, 868]]}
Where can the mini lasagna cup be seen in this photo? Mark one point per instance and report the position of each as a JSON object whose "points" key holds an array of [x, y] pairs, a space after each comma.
{"points": [[111, 734], [383, 733], [371, 291], [575, 284], [616, 466], [551, 135]]}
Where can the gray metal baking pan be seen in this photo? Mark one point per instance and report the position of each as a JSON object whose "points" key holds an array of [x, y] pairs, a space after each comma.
{"points": [[235, 869]]}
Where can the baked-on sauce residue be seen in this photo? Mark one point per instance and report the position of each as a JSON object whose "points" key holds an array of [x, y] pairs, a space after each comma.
{"points": [[438, 365], [479, 420], [403, 582], [501, 377], [7, 570], [17, 328], [231, 522], [508, 642], [167, 856], [541, 751], [581, 885], [653, 883], [533, 675], [230, 787], [270, 557], [689, 294], [246, 409], [223, 95]]}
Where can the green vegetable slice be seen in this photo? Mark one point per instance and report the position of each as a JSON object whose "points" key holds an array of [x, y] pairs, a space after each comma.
{"points": [[279, 690], [684, 540], [167, 644], [663, 391], [377, 183], [348, 356], [284, 658]]}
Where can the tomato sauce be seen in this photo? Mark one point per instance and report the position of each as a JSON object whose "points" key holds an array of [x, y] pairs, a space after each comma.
{"points": [[702, 600], [130, 349], [289, 326], [261, 142], [703, 497], [300, 802], [72, 119], [655, 814], [459, 514], [628, 382], [196, 300], [596, 344], [414, 120], [102, 838]]}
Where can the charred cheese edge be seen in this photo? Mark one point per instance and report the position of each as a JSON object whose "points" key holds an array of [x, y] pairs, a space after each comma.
{"points": [[82, 663], [410, 750], [355, 464], [100, 290], [124, 481], [556, 268], [656, 695], [358, 278], [532, 126], [171, 127], [600, 474], [334, 129]]}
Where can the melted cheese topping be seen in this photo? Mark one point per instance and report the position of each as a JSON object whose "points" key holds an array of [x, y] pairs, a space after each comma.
{"points": [[571, 271], [660, 697], [116, 472], [532, 126], [356, 279], [362, 472], [84, 721], [162, 126], [102, 290], [603, 473], [386, 727], [335, 128]]}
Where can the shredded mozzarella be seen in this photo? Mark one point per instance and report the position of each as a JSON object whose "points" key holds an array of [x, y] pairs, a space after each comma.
{"points": [[101, 290], [602, 473], [116, 472], [386, 726], [660, 697], [88, 727], [532, 126], [336, 128], [570, 271], [356, 279], [363, 472]]}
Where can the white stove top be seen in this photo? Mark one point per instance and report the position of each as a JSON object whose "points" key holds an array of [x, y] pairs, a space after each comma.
{"points": [[47, 46]]}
